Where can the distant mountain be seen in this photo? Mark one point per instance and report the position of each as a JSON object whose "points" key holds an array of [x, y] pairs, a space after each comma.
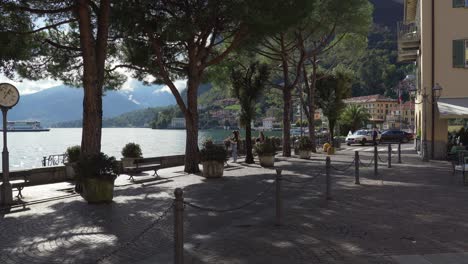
{"points": [[64, 103], [388, 12]]}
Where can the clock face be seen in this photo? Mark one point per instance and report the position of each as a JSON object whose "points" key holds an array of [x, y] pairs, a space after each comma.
{"points": [[9, 95]]}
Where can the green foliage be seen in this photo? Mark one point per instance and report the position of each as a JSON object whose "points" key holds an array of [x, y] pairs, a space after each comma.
{"points": [[98, 166], [377, 69], [305, 144], [331, 90], [248, 82], [266, 148], [73, 153], [234, 107], [131, 150], [14, 48], [212, 152], [354, 117], [305, 123]]}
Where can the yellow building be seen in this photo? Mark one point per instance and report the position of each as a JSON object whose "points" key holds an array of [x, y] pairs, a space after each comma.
{"points": [[377, 105], [434, 36], [401, 117]]}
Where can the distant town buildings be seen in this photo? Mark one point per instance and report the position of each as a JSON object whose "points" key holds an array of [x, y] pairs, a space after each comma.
{"points": [[268, 123], [377, 105], [400, 117], [177, 123]]}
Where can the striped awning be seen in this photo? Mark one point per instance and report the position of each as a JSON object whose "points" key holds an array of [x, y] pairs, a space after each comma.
{"points": [[451, 108]]}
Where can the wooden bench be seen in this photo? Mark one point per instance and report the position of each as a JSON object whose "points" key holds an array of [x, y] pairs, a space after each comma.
{"points": [[38, 176], [19, 180], [153, 164]]}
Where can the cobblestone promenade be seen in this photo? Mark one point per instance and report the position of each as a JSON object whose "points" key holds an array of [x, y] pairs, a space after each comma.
{"points": [[414, 212]]}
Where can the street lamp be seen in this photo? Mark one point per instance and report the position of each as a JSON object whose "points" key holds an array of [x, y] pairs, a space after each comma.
{"points": [[435, 94]]}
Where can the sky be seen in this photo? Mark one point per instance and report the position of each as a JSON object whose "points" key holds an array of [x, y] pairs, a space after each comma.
{"points": [[28, 87]]}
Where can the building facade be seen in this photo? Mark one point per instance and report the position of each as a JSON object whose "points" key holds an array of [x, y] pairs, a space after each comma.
{"points": [[178, 123], [434, 37], [377, 105], [401, 117]]}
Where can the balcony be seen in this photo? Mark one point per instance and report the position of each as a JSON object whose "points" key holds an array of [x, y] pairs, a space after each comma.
{"points": [[409, 40]]}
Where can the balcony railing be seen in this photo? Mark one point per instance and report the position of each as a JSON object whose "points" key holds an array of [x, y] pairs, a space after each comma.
{"points": [[408, 31]]}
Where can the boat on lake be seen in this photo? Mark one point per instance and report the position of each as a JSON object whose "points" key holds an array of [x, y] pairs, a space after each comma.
{"points": [[25, 126]]}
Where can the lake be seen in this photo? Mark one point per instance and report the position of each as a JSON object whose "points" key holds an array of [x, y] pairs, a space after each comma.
{"points": [[27, 148]]}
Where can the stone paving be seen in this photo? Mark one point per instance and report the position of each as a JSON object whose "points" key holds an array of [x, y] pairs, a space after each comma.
{"points": [[410, 212]]}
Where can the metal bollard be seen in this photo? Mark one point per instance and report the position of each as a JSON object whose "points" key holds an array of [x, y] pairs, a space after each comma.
{"points": [[179, 226], [328, 179], [399, 152], [376, 162], [279, 205], [389, 156], [356, 167]]}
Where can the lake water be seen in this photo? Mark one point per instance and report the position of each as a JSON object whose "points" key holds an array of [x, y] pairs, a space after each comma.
{"points": [[27, 148]]}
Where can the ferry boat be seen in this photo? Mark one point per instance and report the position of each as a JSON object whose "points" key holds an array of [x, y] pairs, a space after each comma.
{"points": [[25, 126]]}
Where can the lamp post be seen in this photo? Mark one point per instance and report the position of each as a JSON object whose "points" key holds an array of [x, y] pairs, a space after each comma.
{"points": [[9, 97], [435, 94]]}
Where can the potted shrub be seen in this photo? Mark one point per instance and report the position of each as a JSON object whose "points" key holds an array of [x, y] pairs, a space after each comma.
{"points": [[305, 146], [73, 155], [266, 152], [130, 153], [213, 157], [96, 175]]}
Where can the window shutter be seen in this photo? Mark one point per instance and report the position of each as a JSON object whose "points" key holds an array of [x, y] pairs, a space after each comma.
{"points": [[459, 53], [459, 3]]}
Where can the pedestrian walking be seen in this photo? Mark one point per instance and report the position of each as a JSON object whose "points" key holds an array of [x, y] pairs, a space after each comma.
{"points": [[374, 136], [234, 143]]}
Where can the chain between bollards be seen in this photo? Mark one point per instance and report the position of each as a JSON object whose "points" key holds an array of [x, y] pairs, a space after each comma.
{"points": [[389, 156], [179, 226], [279, 205], [399, 152], [356, 167], [328, 179], [376, 162]]}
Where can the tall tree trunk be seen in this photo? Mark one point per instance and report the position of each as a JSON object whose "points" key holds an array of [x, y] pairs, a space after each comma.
{"points": [[287, 122], [311, 102], [191, 120], [331, 135], [92, 119], [92, 82], [248, 143]]}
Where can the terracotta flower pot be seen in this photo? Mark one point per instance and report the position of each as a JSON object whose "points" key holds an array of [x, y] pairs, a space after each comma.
{"points": [[70, 170], [97, 190], [213, 169], [331, 151], [267, 161]]}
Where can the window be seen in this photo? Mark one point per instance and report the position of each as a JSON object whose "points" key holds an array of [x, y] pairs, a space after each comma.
{"points": [[460, 3], [460, 53]]}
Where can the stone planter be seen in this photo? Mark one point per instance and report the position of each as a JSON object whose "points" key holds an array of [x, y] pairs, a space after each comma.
{"points": [[97, 190], [128, 162], [267, 161], [70, 170], [213, 169], [304, 154]]}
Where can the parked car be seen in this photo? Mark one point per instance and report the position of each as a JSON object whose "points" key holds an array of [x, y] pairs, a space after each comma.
{"points": [[361, 137], [396, 136]]}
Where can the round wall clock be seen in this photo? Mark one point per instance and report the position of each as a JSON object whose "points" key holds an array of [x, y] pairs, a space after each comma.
{"points": [[9, 95]]}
